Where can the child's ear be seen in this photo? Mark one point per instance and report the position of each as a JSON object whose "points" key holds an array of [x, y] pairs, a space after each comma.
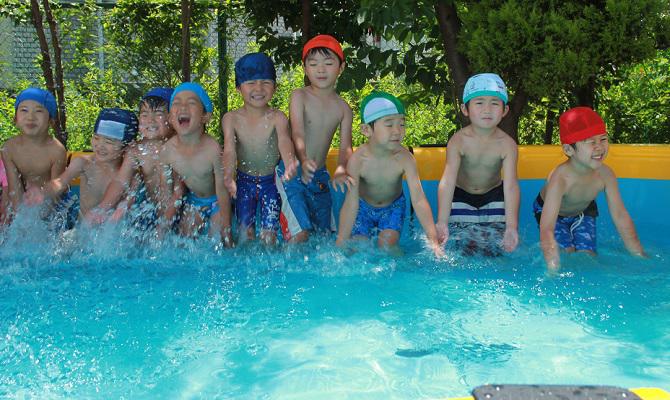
{"points": [[464, 109], [207, 117], [505, 110], [366, 130], [342, 65], [568, 150]]}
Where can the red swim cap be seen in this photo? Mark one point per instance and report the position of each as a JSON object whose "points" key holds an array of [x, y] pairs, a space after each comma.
{"points": [[580, 123], [326, 41]]}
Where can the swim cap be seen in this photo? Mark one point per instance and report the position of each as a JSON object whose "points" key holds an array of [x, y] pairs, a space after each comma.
{"points": [[162, 93], [116, 123], [326, 41], [580, 123], [380, 104], [45, 98], [254, 66], [198, 90], [487, 84]]}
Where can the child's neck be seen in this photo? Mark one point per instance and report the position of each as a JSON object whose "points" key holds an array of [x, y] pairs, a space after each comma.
{"points": [[37, 139], [112, 165], [482, 132], [256, 112], [321, 92], [190, 138]]}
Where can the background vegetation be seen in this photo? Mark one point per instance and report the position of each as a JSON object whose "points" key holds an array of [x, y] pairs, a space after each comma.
{"points": [[612, 55]]}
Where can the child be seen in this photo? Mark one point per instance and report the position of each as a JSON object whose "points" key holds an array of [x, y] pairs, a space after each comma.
{"points": [[316, 112], [194, 158], [471, 192], [4, 196], [565, 208], [34, 157], [114, 130], [376, 200], [254, 138], [139, 175]]}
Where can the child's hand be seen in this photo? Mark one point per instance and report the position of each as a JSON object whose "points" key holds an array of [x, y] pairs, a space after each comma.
{"points": [[119, 212], [227, 237], [342, 181], [442, 232], [308, 170], [510, 240], [231, 187], [33, 196], [438, 250], [96, 216], [291, 170]]}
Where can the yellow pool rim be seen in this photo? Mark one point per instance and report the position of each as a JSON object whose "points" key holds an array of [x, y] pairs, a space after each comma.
{"points": [[643, 393]]}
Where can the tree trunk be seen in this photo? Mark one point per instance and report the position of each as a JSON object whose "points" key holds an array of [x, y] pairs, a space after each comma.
{"points": [[450, 25], [549, 125], [61, 125], [510, 124], [586, 94], [186, 40], [306, 27]]}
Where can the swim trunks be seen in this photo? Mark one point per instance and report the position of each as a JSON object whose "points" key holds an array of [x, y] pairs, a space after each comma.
{"points": [[206, 206], [252, 191], [372, 219], [305, 206], [478, 208], [65, 212], [578, 231]]}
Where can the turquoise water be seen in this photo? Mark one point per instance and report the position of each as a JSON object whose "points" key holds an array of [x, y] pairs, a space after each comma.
{"points": [[95, 314]]}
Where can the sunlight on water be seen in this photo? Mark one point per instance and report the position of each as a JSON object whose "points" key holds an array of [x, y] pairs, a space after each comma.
{"points": [[112, 313]]}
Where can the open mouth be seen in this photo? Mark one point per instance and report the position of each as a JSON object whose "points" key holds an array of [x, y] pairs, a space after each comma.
{"points": [[183, 120]]}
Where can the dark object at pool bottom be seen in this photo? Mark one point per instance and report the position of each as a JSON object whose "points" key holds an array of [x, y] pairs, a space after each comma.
{"points": [[551, 392]]}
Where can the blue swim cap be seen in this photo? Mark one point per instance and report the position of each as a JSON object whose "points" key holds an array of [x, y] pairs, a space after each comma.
{"points": [[116, 123], [254, 66], [162, 93], [487, 84], [198, 90], [41, 96]]}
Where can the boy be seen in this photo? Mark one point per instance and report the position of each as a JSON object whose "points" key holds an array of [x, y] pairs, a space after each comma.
{"points": [[376, 200], [565, 208], [254, 138], [471, 192], [194, 159], [139, 175], [34, 157], [316, 112], [114, 130]]}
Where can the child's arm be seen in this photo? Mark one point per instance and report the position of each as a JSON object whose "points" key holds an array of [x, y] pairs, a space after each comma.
{"points": [[60, 161], [556, 188], [511, 191], [55, 188], [14, 184], [340, 178], [420, 203], [222, 217], [170, 196], [622, 220], [296, 108], [229, 154], [349, 209], [285, 144], [115, 190], [445, 189]]}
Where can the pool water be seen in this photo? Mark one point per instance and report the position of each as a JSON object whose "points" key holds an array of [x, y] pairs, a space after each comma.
{"points": [[97, 314]]}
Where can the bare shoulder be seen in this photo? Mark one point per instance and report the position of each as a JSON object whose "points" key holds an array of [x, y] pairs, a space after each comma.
{"points": [[11, 144], [278, 116], [343, 105], [456, 140], [405, 158], [210, 144], [606, 173], [297, 95]]}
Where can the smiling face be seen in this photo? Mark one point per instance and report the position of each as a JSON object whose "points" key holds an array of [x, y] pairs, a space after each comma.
{"points": [[153, 122], [485, 111], [322, 68], [31, 118], [187, 113], [589, 152], [106, 149], [258, 92], [387, 132]]}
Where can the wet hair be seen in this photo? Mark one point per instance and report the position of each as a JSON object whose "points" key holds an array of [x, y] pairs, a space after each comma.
{"points": [[154, 102], [324, 51]]}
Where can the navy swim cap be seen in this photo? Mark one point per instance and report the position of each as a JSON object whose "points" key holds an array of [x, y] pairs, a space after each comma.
{"points": [[254, 66], [162, 93], [45, 98], [116, 123]]}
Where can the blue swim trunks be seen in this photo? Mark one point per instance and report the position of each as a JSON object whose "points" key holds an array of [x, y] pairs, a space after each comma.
{"points": [[370, 220], [207, 206], [252, 191], [578, 231], [305, 206], [65, 213]]}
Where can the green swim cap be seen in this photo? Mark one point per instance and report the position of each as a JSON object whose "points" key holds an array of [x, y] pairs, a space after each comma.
{"points": [[380, 104]]}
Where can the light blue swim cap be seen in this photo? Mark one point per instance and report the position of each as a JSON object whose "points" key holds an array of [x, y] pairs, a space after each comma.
{"points": [[198, 90], [486, 84], [45, 98], [379, 104], [254, 66]]}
